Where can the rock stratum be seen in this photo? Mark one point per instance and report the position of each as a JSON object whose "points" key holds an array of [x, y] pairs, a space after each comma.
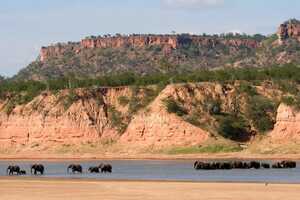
{"points": [[147, 54], [110, 116]]}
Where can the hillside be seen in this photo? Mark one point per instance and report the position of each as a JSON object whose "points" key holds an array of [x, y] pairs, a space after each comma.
{"points": [[152, 54], [207, 117]]}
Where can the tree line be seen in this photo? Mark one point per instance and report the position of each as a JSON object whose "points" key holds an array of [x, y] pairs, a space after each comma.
{"points": [[287, 72]]}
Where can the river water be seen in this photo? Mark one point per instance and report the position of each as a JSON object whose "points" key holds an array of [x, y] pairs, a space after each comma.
{"points": [[161, 170]]}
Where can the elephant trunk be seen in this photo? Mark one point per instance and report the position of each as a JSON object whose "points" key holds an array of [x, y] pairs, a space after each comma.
{"points": [[7, 170]]}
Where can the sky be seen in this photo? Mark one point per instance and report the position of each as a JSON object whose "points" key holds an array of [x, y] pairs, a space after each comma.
{"points": [[26, 25]]}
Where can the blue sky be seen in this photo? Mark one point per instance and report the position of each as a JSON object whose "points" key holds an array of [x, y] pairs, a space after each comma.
{"points": [[26, 25]]}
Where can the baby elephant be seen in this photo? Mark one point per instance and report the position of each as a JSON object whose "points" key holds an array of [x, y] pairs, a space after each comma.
{"points": [[22, 172], [94, 170]]}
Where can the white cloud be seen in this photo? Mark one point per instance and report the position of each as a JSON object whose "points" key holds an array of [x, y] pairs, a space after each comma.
{"points": [[191, 4], [235, 31]]}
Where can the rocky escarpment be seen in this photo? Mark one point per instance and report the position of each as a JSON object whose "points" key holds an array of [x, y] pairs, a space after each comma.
{"points": [[89, 117], [56, 119], [166, 42], [146, 54], [181, 115], [289, 29]]}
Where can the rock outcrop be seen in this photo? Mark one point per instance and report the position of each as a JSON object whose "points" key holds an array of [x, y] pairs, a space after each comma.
{"points": [[289, 29], [166, 42], [287, 127], [58, 50]]}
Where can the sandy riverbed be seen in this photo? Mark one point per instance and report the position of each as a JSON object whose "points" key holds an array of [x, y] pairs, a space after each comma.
{"points": [[55, 189]]}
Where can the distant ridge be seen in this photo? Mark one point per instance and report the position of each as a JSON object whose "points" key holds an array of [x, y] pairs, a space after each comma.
{"points": [[147, 53]]}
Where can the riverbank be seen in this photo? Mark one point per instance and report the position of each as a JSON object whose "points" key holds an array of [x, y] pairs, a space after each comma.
{"points": [[127, 156], [57, 189]]}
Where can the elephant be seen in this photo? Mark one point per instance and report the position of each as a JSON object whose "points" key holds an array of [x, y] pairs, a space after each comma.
{"points": [[238, 165], [13, 169], [94, 170], [226, 165], [289, 164], [277, 166], [212, 166], [254, 165], [22, 172], [75, 168], [198, 165], [284, 164], [37, 168], [265, 165], [105, 168]]}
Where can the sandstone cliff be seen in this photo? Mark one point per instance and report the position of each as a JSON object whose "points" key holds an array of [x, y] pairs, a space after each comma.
{"points": [[289, 29], [90, 117], [119, 116], [287, 127], [166, 42]]}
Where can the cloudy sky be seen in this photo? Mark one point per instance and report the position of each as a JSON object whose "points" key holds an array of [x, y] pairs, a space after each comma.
{"points": [[26, 25]]}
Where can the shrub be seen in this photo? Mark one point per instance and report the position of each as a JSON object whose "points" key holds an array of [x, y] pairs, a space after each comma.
{"points": [[193, 119], [142, 97], [232, 127], [174, 107], [288, 100], [9, 107], [292, 101], [245, 87], [116, 119], [259, 110], [123, 100], [70, 99], [288, 86]]}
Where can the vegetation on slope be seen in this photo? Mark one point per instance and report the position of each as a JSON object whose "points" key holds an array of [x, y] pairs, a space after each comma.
{"points": [[21, 92]]}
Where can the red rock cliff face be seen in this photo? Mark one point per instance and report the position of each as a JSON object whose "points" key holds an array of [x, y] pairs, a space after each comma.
{"points": [[167, 42], [58, 50], [287, 127], [290, 29], [47, 123], [130, 41]]}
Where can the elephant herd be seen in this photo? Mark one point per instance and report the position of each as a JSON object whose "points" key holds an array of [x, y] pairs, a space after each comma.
{"points": [[102, 168], [39, 169], [198, 165]]}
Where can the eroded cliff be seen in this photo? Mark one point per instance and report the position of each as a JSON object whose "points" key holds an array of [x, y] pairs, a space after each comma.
{"points": [[181, 115], [287, 127]]}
